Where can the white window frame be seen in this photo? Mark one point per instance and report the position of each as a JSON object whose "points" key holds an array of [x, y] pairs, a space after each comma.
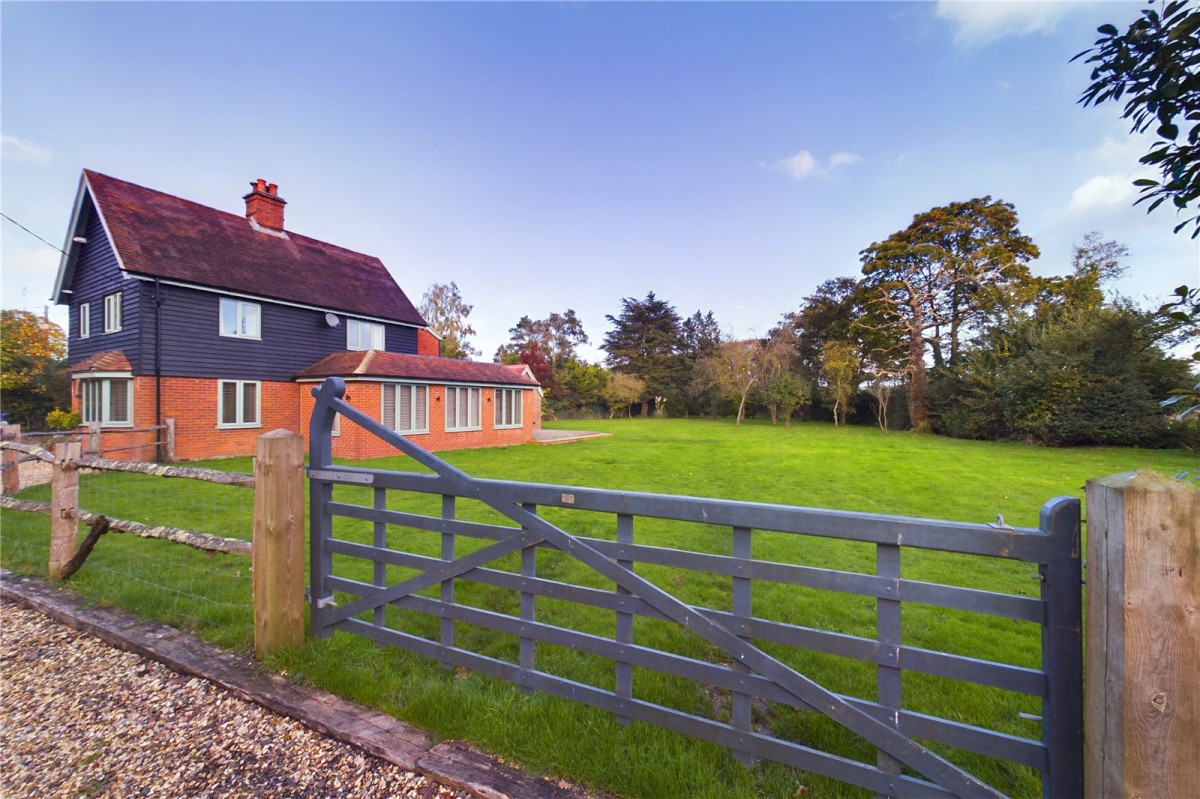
{"points": [[239, 410], [112, 313], [512, 401], [85, 320], [460, 402], [101, 389], [376, 335], [238, 307], [414, 422]]}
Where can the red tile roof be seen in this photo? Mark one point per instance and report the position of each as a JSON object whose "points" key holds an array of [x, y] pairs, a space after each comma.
{"points": [[113, 361], [163, 236], [413, 367]]}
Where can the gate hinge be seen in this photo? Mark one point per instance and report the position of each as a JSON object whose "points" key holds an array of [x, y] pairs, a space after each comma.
{"points": [[323, 602]]}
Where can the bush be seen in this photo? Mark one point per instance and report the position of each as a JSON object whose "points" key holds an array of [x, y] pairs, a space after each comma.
{"points": [[59, 419]]}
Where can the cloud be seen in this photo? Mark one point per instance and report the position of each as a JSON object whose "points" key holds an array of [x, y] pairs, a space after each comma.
{"points": [[980, 23], [23, 151], [804, 165], [1104, 192]]}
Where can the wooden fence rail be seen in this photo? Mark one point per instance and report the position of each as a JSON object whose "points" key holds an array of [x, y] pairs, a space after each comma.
{"points": [[277, 547]]}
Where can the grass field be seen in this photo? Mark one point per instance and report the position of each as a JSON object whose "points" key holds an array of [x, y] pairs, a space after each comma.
{"points": [[813, 465]]}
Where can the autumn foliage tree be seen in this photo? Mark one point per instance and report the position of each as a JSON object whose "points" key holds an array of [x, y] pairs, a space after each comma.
{"points": [[33, 368], [446, 312]]}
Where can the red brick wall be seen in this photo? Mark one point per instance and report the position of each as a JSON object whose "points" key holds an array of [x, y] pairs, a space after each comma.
{"points": [[192, 403], [356, 443], [427, 343]]}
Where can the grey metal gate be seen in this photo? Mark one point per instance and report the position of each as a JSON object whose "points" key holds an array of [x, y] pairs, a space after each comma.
{"points": [[752, 673]]}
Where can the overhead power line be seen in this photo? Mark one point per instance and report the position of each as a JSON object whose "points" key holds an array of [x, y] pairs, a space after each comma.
{"points": [[30, 232]]}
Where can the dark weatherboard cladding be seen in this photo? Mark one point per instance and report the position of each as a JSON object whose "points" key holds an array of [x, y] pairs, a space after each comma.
{"points": [[292, 338], [97, 274]]}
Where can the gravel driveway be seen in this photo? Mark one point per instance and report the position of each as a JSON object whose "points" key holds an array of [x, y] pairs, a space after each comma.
{"points": [[79, 718]]}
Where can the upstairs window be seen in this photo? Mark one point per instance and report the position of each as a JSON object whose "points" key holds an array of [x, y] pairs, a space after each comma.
{"points": [[108, 401], [237, 403], [462, 408], [240, 319], [364, 335], [406, 407], [85, 319], [508, 407], [112, 313]]}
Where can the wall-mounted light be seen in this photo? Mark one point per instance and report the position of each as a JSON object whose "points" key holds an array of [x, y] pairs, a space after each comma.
{"points": [[80, 240]]}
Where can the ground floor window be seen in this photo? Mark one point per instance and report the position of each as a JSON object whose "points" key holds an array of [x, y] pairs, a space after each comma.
{"points": [[238, 403], [508, 407], [406, 407], [108, 401], [462, 408]]}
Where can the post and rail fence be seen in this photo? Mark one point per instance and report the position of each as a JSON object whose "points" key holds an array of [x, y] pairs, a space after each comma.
{"points": [[92, 438], [1137, 733]]}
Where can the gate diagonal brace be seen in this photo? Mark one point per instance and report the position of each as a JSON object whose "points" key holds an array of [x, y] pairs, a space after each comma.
{"points": [[453, 568], [535, 529]]}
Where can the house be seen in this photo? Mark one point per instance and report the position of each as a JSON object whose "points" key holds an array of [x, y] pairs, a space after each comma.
{"points": [[222, 323]]}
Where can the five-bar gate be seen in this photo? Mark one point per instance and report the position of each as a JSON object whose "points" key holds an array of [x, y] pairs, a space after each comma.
{"points": [[751, 674]]}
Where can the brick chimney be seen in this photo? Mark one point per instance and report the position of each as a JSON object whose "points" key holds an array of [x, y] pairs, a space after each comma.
{"points": [[264, 206]]}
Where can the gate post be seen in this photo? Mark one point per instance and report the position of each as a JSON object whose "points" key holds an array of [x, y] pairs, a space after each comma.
{"points": [[1143, 637], [278, 542], [64, 502]]}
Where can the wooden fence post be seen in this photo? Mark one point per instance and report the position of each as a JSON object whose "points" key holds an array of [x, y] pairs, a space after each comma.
{"points": [[64, 501], [169, 435], [11, 463], [93, 440], [1142, 718], [278, 542]]}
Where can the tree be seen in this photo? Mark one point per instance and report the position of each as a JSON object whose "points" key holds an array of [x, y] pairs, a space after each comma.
{"points": [[580, 384], [778, 386], [940, 277], [556, 336], [622, 391], [33, 368], [443, 308], [1155, 66], [840, 364], [646, 341], [733, 370], [1077, 367], [701, 335], [1088, 376], [543, 372], [828, 314], [783, 394]]}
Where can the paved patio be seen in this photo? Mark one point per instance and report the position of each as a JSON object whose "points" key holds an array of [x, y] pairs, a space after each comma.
{"points": [[564, 436]]}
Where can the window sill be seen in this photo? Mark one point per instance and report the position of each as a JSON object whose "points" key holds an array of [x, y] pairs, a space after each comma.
{"points": [[256, 425]]}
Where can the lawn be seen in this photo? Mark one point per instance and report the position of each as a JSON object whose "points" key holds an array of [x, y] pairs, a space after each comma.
{"points": [[814, 465]]}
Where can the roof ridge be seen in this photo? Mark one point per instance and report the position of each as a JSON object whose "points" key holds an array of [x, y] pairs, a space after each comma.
{"points": [[234, 216]]}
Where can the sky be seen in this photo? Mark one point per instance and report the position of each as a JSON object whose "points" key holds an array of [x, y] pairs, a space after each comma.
{"points": [[728, 157]]}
